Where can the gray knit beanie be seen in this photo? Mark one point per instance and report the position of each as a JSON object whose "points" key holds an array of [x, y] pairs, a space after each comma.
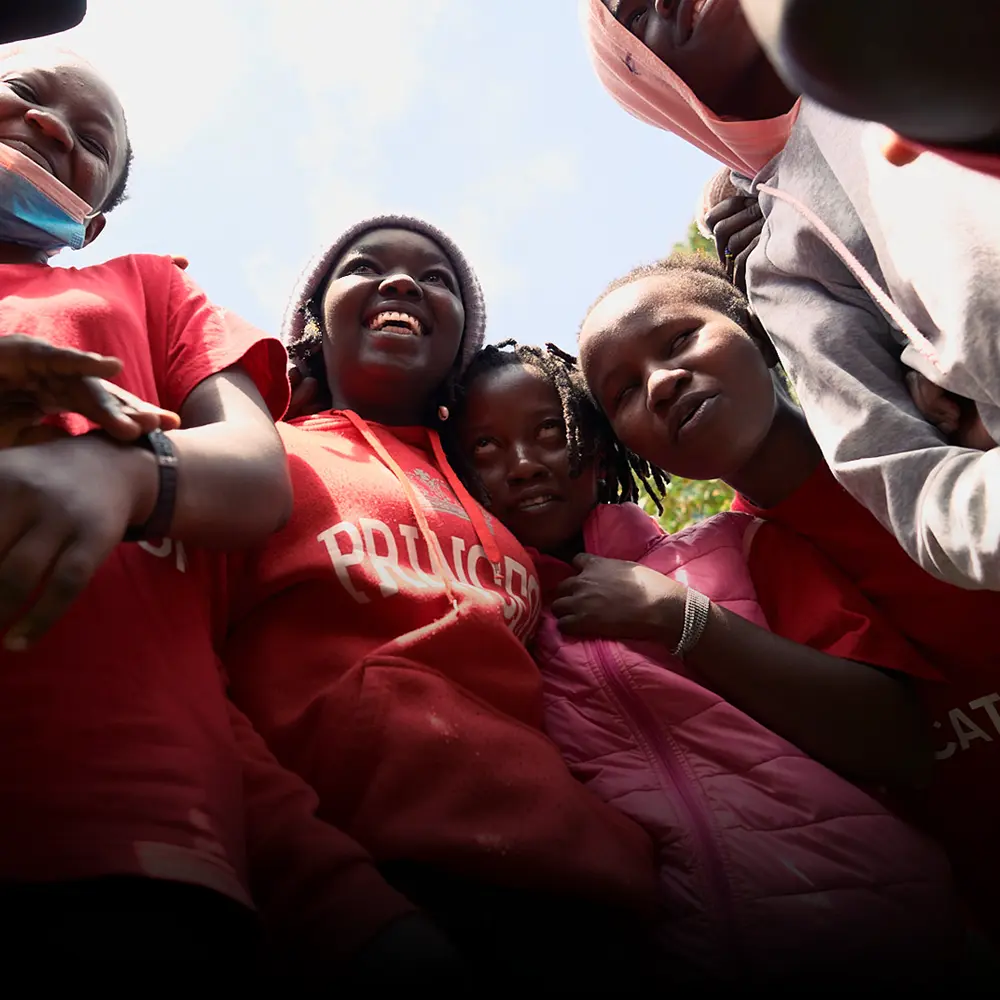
{"points": [[316, 274]]}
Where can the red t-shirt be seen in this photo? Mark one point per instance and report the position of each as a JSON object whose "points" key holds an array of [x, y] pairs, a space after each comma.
{"points": [[119, 751], [116, 750], [953, 628], [397, 683], [809, 601]]}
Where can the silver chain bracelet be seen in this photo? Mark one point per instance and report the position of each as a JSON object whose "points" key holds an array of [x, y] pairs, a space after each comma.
{"points": [[696, 609]]}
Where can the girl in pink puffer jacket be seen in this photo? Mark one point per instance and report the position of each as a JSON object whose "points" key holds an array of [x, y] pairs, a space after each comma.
{"points": [[775, 869]]}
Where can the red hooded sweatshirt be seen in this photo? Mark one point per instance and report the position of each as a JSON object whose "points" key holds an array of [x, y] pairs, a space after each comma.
{"points": [[376, 643]]}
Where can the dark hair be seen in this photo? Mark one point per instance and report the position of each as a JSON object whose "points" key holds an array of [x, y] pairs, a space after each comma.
{"points": [[117, 193], [306, 351], [715, 289], [588, 432], [708, 275]]}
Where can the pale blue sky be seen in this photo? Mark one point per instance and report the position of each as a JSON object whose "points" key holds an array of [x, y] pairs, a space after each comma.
{"points": [[262, 127]]}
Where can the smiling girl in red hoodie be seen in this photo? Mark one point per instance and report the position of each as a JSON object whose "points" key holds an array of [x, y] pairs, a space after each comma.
{"points": [[377, 641]]}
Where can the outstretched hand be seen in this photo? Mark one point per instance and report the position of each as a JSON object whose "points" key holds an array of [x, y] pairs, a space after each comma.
{"points": [[39, 379], [613, 599]]}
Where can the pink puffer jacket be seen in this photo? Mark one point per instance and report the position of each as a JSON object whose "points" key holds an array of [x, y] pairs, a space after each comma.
{"points": [[769, 861]]}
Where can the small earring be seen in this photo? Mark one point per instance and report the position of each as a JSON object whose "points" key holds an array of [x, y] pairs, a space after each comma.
{"points": [[443, 413]]}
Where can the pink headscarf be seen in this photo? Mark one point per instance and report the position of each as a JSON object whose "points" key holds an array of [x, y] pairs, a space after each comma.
{"points": [[648, 89]]}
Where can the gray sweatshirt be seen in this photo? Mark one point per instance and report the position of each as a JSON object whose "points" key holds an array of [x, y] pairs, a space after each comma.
{"points": [[929, 236]]}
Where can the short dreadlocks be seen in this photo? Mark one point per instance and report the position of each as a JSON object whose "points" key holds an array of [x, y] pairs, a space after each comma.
{"points": [[708, 276], [713, 287], [588, 432]]}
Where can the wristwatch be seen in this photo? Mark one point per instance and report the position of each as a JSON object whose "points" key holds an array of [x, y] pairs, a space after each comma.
{"points": [[159, 521]]}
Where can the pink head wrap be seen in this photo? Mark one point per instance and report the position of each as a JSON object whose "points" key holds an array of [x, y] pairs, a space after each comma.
{"points": [[648, 89]]}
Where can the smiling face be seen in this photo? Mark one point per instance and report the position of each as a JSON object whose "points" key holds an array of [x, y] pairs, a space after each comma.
{"points": [[683, 385], [710, 46], [57, 111], [513, 435], [393, 318]]}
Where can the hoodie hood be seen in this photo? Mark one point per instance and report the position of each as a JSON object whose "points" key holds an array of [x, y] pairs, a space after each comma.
{"points": [[652, 92]]}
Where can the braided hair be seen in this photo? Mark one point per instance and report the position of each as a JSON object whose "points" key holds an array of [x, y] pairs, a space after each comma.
{"points": [[588, 432]]}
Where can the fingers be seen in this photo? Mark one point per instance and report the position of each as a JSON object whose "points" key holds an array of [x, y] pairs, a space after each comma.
{"points": [[71, 572], [148, 416], [572, 625], [733, 234], [26, 358], [304, 392], [91, 398], [725, 208], [739, 275], [563, 605], [22, 571], [745, 237]]}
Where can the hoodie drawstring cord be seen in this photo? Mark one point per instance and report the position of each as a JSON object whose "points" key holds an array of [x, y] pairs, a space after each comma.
{"points": [[475, 512], [392, 465], [870, 285]]}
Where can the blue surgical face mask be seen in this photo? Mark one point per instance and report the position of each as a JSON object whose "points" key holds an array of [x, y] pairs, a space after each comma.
{"points": [[36, 210]]}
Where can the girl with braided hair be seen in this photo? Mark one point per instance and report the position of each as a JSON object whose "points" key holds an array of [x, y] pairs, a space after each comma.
{"points": [[377, 643], [775, 869]]}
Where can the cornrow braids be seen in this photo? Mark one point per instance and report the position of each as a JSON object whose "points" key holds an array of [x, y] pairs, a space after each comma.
{"points": [[588, 431]]}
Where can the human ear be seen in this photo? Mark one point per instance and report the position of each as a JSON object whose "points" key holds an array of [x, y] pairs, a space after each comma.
{"points": [[94, 228]]}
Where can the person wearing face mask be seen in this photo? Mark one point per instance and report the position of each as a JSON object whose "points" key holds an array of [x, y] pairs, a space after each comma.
{"points": [[144, 820], [856, 268]]}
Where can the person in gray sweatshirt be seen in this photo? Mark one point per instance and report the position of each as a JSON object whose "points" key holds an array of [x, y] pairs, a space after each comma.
{"points": [[863, 269]]}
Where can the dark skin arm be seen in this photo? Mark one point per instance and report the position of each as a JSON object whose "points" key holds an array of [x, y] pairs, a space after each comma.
{"points": [[233, 484], [850, 716], [38, 379], [67, 503]]}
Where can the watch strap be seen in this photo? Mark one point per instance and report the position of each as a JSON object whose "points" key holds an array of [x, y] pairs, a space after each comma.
{"points": [[159, 521]]}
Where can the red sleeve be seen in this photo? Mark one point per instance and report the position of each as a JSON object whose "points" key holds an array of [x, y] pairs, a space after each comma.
{"points": [[319, 893], [202, 339], [806, 599]]}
